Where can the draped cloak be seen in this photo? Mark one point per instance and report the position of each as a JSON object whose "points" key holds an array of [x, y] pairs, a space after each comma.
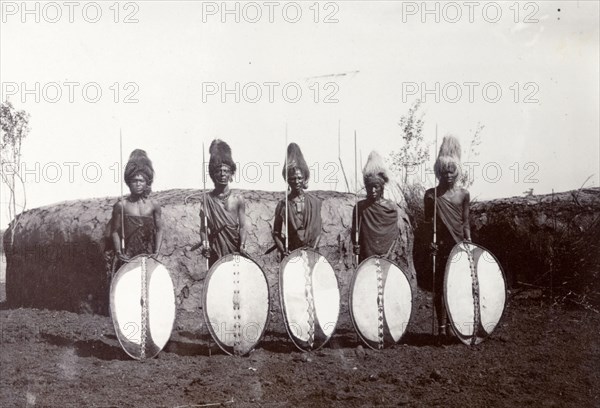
{"points": [[223, 229], [304, 228], [452, 217], [450, 226], [449, 231], [378, 227]]}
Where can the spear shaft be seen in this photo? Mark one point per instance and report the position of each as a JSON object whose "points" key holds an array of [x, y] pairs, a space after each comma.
{"points": [[205, 243], [286, 188], [434, 238], [356, 232], [340, 156], [122, 203]]}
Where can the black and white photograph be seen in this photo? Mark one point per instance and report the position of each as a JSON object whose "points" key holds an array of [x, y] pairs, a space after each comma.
{"points": [[312, 203]]}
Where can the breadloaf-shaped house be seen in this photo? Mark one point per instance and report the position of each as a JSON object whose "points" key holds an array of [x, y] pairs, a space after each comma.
{"points": [[62, 253]]}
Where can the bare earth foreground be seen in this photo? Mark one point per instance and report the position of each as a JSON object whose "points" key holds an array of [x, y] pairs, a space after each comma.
{"points": [[541, 355]]}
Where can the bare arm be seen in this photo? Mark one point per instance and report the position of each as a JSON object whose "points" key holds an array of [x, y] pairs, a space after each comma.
{"points": [[320, 221], [353, 230], [204, 245], [115, 226], [241, 208], [428, 209], [115, 229], [428, 203], [466, 225], [157, 212], [399, 221], [203, 233], [277, 225]]}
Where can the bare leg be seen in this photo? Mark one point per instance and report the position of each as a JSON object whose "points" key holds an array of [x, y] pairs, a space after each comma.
{"points": [[440, 306]]}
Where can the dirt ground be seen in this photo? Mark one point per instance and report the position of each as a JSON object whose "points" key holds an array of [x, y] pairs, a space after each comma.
{"points": [[540, 355]]}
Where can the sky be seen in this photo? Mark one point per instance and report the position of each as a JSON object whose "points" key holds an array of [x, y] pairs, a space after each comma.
{"points": [[172, 76]]}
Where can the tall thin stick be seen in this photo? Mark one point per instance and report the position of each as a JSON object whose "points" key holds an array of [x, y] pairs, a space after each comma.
{"points": [[205, 243], [360, 162], [434, 236], [286, 188], [122, 203], [340, 155], [356, 232]]}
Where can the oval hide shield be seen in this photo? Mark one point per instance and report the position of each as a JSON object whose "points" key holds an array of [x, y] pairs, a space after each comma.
{"points": [[310, 298], [142, 306], [236, 303], [474, 292], [380, 302]]}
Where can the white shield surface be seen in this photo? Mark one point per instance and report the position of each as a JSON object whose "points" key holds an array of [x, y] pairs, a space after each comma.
{"points": [[310, 298], [142, 306], [380, 302], [236, 303], [474, 292]]}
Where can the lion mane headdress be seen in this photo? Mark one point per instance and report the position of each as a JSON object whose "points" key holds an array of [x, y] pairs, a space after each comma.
{"points": [[375, 170], [220, 154], [448, 157], [295, 160], [139, 163]]}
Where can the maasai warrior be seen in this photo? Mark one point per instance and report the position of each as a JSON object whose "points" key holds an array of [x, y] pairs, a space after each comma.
{"points": [[377, 217], [226, 212], [304, 209], [141, 215], [452, 217]]}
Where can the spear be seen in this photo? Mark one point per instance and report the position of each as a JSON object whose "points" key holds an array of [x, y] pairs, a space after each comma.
{"points": [[286, 188], [434, 237], [205, 243], [122, 204], [356, 232], [340, 156]]}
